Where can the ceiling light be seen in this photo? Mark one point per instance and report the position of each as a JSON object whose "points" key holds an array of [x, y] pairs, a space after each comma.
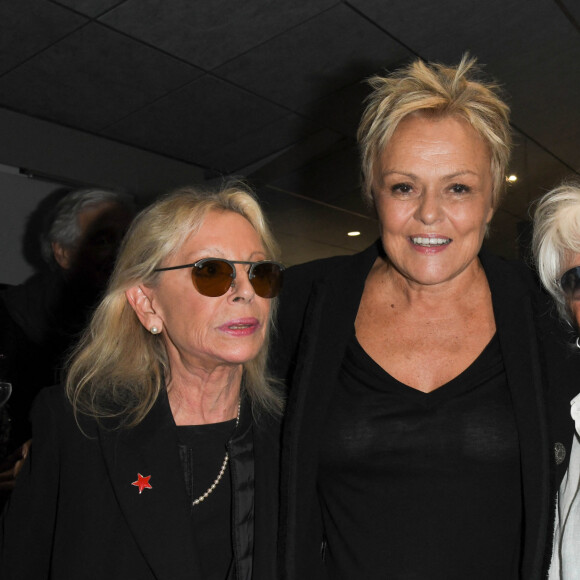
{"points": [[353, 234], [512, 178]]}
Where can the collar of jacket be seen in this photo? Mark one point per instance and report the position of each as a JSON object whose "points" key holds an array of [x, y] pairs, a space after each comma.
{"points": [[516, 319], [159, 518], [241, 450]]}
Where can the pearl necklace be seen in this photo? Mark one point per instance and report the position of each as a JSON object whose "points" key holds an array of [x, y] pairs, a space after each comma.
{"points": [[203, 496]]}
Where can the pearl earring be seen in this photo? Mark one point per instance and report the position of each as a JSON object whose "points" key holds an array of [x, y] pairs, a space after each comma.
{"points": [[154, 330]]}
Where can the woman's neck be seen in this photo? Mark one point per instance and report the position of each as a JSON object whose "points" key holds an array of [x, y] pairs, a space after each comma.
{"points": [[464, 287], [201, 397]]}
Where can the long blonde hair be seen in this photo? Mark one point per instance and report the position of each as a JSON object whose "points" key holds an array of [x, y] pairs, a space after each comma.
{"points": [[118, 368]]}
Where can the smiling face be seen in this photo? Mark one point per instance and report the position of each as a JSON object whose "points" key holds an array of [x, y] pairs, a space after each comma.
{"points": [[433, 194], [202, 332]]}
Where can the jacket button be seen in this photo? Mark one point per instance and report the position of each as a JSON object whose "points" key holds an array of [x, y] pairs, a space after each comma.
{"points": [[559, 452]]}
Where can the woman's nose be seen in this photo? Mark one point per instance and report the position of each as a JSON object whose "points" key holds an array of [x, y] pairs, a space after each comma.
{"points": [[242, 288], [429, 209]]}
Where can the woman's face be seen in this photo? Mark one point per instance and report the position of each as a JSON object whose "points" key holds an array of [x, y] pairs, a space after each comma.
{"points": [[433, 194], [203, 332]]}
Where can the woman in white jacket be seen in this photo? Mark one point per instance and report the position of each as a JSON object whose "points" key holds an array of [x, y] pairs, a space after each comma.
{"points": [[556, 245]]}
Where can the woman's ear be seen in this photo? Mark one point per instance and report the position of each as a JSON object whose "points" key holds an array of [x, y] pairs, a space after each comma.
{"points": [[143, 308], [490, 214], [62, 255]]}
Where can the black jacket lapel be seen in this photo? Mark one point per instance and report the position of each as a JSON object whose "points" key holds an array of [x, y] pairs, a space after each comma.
{"points": [[159, 518], [514, 316], [329, 324]]}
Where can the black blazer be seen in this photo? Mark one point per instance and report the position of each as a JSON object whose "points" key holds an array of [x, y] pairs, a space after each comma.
{"points": [[75, 515], [318, 308]]}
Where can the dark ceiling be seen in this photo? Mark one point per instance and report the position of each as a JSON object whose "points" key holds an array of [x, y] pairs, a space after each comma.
{"points": [[272, 90]]}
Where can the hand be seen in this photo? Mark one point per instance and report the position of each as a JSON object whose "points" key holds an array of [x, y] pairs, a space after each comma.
{"points": [[12, 465]]}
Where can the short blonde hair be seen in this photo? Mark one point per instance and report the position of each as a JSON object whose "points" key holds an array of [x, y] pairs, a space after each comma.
{"points": [[118, 368], [435, 89], [556, 239]]}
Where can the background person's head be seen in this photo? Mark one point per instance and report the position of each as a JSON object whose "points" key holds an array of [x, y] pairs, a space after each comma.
{"points": [[436, 91], [83, 234], [556, 245]]}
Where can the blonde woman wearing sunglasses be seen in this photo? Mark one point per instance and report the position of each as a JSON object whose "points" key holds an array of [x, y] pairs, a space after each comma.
{"points": [[158, 460], [556, 245]]}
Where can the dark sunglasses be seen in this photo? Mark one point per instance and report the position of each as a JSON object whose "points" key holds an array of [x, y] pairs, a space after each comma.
{"points": [[570, 283], [214, 276]]}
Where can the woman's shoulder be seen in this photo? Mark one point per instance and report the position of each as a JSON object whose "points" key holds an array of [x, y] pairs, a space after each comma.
{"points": [[53, 410], [515, 284], [510, 271], [51, 400], [304, 281], [515, 278], [320, 267], [310, 272], [300, 279]]}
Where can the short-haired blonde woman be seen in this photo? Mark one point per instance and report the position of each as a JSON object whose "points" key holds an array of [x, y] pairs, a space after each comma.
{"points": [[556, 245], [416, 442], [160, 460]]}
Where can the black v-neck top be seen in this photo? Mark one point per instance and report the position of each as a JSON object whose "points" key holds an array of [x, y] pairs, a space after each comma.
{"points": [[202, 450], [419, 486]]}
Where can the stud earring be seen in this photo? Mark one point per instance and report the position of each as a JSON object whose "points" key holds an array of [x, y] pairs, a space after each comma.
{"points": [[154, 330]]}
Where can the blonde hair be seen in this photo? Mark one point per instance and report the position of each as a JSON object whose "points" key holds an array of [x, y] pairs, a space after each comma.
{"points": [[435, 89], [556, 238], [118, 368]]}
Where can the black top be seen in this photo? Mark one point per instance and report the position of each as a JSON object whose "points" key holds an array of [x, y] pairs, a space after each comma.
{"points": [[417, 485], [202, 450], [319, 304]]}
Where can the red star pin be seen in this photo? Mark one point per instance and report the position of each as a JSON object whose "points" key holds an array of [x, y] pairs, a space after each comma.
{"points": [[142, 482]]}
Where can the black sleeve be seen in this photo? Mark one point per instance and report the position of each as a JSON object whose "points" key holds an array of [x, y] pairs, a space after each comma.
{"points": [[28, 522], [291, 311]]}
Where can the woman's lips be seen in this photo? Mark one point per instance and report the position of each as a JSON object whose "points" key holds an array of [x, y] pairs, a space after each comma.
{"points": [[430, 244], [240, 326]]}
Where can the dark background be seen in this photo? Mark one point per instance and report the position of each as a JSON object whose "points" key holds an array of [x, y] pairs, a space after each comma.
{"points": [[150, 94]]}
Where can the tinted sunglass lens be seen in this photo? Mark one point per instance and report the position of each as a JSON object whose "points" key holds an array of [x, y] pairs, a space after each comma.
{"points": [[212, 278], [570, 283], [267, 279]]}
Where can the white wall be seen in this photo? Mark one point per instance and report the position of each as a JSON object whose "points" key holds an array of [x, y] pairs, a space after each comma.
{"points": [[19, 196], [58, 156]]}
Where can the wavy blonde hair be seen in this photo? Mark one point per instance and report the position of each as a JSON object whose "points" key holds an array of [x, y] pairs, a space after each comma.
{"points": [[118, 368], [439, 90], [556, 239]]}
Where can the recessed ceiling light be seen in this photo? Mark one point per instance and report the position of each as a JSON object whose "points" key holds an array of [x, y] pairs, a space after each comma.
{"points": [[353, 234], [512, 178]]}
